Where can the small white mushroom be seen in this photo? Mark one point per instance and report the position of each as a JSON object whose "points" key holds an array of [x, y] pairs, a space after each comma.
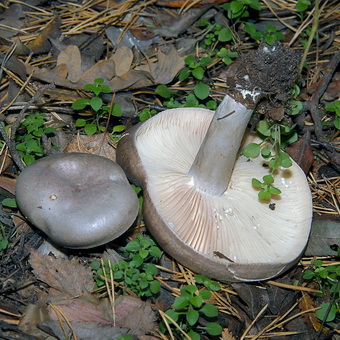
{"points": [[79, 200]]}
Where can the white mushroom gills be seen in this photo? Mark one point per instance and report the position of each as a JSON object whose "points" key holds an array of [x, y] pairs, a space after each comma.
{"points": [[196, 205]]}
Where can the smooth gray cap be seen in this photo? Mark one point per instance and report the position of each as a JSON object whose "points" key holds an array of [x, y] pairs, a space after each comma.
{"points": [[79, 200]]}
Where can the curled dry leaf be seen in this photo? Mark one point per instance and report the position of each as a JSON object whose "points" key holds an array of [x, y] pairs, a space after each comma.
{"points": [[65, 277], [306, 303]]}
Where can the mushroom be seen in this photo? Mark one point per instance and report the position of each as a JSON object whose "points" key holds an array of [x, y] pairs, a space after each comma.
{"points": [[79, 200], [198, 200]]}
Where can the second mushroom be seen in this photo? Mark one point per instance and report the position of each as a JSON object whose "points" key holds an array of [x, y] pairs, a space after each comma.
{"points": [[198, 201]]}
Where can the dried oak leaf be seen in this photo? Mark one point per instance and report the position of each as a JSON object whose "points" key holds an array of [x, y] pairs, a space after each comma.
{"points": [[310, 319], [66, 277], [72, 58], [135, 314], [227, 335], [302, 153]]}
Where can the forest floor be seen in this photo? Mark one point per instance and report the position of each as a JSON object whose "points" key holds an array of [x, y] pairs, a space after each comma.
{"points": [[152, 55]]}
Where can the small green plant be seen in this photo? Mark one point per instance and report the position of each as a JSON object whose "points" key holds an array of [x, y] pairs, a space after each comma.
{"points": [[237, 9], [302, 5], [328, 279], [3, 239], [194, 67], [227, 56], [30, 134], [270, 34], [187, 310], [138, 272], [216, 34], [335, 107], [274, 156], [99, 110], [190, 100]]}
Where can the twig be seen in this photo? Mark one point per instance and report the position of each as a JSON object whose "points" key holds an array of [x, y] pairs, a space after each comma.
{"points": [[313, 102]]}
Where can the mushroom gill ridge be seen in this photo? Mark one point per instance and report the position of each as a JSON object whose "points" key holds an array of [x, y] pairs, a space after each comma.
{"points": [[236, 225]]}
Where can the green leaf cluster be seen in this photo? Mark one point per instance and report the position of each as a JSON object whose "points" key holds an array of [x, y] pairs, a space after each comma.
{"points": [[274, 156], [29, 137], [302, 5], [201, 92], [216, 34], [3, 239], [194, 67], [237, 9], [189, 307], [138, 272], [99, 110], [335, 107], [270, 34], [328, 279]]}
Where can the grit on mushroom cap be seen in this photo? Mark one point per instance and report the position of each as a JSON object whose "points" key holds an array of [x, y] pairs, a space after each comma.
{"points": [[230, 237], [79, 200]]}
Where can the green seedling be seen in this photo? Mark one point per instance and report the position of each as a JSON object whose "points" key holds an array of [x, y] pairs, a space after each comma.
{"points": [[335, 107], [302, 5], [328, 279], [3, 239], [293, 106], [274, 156], [237, 9], [227, 56], [138, 272], [99, 110], [194, 68], [201, 92], [270, 34], [30, 134], [216, 34], [188, 310]]}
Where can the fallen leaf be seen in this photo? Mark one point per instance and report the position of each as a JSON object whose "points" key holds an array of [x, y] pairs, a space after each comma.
{"points": [[40, 43], [11, 18], [72, 58], [306, 303], [123, 59], [8, 184], [100, 144], [135, 314], [66, 277], [83, 330], [181, 3], [226, 335], [166, 68], [302, 153]]}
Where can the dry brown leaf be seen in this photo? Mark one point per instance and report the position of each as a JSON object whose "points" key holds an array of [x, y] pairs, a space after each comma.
{"points": [[8, 184], [135, 314], [123, 59], [302, 153], [66, 277], [166, 68], [72, 58], [311, 320], [51, 30], [162, 71], [226, 335], [100, 144]]}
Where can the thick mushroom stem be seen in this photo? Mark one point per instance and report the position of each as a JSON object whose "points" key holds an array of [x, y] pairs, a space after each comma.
{"points": [[214, 162]]}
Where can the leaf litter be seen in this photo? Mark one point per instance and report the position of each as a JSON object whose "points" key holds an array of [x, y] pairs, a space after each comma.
{"points": [[70, 50]]}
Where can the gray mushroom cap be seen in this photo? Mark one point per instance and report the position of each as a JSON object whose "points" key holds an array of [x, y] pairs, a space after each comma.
{"points": [[79, 200]]}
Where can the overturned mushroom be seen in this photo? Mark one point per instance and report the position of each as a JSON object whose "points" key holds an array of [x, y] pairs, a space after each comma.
{"points": [[198, 201], [79, 200]]}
